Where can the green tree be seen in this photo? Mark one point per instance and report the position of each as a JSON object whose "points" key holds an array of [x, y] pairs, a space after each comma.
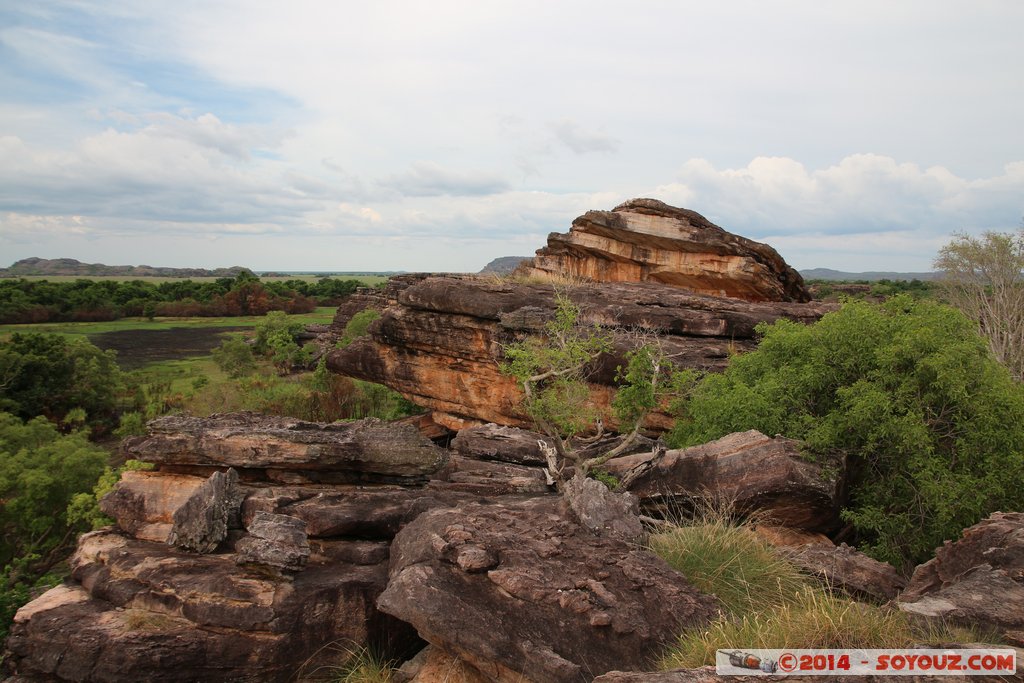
{"points": [[904, 395], [984, 278], [358, 326], [41, 470], [276, 336], [552, 369], [234, 356], [45, 374]]}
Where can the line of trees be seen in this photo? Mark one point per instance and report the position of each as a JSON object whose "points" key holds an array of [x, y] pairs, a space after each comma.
{"points": [[41, 301]]}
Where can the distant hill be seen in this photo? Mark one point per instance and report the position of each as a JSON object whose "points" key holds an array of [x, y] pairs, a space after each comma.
{"points": [[69, 266], [829, 274], [504, 264]]}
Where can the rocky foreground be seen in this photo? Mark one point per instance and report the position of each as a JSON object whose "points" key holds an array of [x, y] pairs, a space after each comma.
{"points": [[259, 546]]}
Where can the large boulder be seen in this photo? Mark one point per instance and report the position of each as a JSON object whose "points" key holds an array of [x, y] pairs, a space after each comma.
{"points": [[978, 579], [518, 589], [752, 471], [645, 239], [440, 344], [144, 611]]}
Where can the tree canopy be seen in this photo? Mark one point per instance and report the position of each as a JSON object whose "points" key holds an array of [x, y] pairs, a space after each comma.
{"points": [[51, 375], [984, 278], [905, 395]]}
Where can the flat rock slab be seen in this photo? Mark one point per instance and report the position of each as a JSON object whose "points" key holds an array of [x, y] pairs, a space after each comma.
{"points": [[253, 441], [440, 341], [517, 589], [749, 469], [501, 443], [489, 478], [350, 511], [72, 636]]}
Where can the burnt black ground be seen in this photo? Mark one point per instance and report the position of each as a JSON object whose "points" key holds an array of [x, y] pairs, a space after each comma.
{"points": [[136, 348]]}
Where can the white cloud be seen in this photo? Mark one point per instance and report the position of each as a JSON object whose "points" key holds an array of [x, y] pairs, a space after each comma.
{"points": [[863, 193], [582, 141], [427, 179]]}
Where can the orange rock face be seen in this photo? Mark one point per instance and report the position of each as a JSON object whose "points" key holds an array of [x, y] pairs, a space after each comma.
{"points": [[648, 240], [441, 343]]}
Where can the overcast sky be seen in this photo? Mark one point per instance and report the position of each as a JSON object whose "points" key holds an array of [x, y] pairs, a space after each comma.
{"points": [[438, 135]]}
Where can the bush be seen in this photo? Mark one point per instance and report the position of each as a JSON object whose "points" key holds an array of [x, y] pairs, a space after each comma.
{"points": [[46, 374], [41, 470], [905, 395], [358, 326], [234, 357]]}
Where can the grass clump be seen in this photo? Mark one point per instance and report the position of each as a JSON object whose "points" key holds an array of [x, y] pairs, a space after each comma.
{"points": [[811, 618], [767, 603], [731, 562], [354, 664]]}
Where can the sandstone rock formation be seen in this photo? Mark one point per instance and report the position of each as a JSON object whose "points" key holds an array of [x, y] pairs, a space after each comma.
{"points": [[440, 343], [569, 604], [747, 469], [847, 569], [289, 450], [648, 240], [977, 580]]}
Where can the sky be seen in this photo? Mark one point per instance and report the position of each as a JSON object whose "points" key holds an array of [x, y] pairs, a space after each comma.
{"points": [[436, 136]]}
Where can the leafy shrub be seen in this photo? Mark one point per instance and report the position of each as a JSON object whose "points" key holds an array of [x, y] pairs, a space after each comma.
{"points": [[905, 394], [358, 326], [41, 470], [234, 356], [47, 374]]}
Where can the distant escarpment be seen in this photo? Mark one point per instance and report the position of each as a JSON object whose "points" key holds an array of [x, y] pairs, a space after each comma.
{"points": [[69, 266], [645, 240]]}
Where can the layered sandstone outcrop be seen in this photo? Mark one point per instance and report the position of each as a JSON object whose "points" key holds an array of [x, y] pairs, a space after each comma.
{"points": [[977, 580], [440, 343], [647, 240], [214, 573]]}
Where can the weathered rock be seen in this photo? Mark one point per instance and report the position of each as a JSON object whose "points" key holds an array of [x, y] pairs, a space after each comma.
{"points": [[433, 665], [364, 450], [277, 541], [145, 611], [645, 239], [350, 512], [602, 511], [201, 523], [143, 503], [748, 469], [497, 442], [787, 537], [490, 478], [978, 579], [568, 604], [848, 569], [440, 344]]}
